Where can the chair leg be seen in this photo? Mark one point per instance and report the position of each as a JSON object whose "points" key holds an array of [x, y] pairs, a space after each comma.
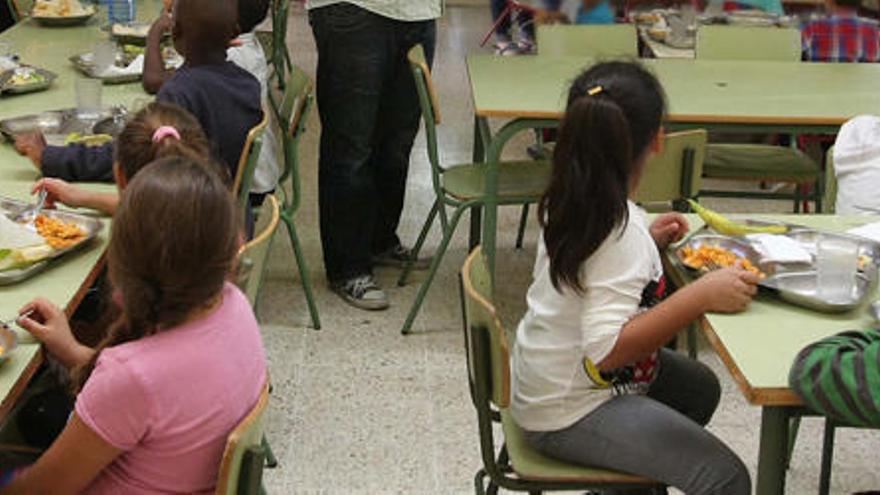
{"points": [[271, 460], [523, 220], [435, 263], [401, 281], [305, 279], [476, 227], [479, 487], [797, 198], [827, 456], [793, 427], [692, 341]]}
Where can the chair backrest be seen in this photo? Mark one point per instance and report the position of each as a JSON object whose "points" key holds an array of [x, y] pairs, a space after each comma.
{"points": [[20, 8], [487, 348], [292, 116], [253, 256], [595, 41], [429, 103], [675, 173], [241, 467], [748, 43], [829, 200], [247, 163]]}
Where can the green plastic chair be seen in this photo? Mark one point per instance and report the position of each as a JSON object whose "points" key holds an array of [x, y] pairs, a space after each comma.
{"points": [[757, 162], [830, 201], [516, 466], [594, 41], [292, 114], [461, 187], [674, 175], [748, 43], [241, 468], [253, 256], [247, 163]]}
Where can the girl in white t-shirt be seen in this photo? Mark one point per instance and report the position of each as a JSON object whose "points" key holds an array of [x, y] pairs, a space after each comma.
{"points": [[593, 383]]}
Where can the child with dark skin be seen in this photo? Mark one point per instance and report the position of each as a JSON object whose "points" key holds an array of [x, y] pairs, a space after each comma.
{"points": [[224, 98]]}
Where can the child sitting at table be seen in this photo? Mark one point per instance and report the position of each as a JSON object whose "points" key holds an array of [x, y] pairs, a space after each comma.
{"points": [[842, 36], [182, 365], [159, 130], [223, 97], [593, 383], [857, 166], [247, 53]]}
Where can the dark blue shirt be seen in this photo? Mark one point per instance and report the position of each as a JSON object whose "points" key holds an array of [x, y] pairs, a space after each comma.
{"points": [[224, 98]]}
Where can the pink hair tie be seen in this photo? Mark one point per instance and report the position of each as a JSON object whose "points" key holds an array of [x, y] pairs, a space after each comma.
{"points": [[164, 132]]}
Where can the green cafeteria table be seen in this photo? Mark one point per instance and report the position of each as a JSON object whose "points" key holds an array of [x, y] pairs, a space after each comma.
{"points": [[741, 96], [758, 348], [66, 281]]}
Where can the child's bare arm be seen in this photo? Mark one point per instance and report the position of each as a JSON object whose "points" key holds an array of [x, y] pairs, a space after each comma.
{"points": [[155, 72]]}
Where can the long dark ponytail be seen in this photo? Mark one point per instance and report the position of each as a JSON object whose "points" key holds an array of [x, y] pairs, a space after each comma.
{"points": [[614, 110]]}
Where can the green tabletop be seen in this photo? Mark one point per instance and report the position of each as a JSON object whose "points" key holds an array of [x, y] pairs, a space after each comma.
{"points": [[759, 345], [64, 280], [699, 91]]}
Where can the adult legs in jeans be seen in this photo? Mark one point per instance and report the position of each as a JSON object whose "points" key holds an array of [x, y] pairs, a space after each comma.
{"points": [[368, 126], [659, 436]]}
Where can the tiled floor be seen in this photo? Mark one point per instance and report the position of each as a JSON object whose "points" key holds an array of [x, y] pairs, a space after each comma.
{"points": [[357, 408]]}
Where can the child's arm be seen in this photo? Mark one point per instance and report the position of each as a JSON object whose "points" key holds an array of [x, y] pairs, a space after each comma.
{"points": [[62, 192], [69, 466], [76, 162], [155, 72], [49, 325], [725, 291]]}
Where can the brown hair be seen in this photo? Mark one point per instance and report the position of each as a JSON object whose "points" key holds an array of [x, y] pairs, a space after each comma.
{"points": [[135, 147], [173, 242]]}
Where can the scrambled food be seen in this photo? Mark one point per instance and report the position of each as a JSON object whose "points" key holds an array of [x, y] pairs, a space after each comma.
{"points": [[88, 139], [712, 257], [58, 233], [130, 30], [59, 8], [24, 76]]}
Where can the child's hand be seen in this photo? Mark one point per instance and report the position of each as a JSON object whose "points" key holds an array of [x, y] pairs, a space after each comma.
{"points": [[669, 228], [162, 24], [60, 191], [31, 145], [48, 324], [729, 290]]}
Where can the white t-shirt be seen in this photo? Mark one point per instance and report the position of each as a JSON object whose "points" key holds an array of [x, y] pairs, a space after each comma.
{"points": [[857, 166], [251, 57], [551, 389]]}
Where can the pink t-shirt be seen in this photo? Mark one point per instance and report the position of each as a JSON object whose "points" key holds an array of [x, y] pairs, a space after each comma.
{"points": [[170, 400]]}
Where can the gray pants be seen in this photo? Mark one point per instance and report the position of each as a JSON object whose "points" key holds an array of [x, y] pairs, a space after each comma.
{"points": [[659, 436]]}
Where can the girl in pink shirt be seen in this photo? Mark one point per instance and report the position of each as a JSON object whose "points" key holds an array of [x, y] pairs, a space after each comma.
{"points": [[179, 369]]}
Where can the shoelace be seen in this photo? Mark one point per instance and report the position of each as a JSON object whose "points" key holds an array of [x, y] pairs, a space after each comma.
{"points": [[361, 285]]}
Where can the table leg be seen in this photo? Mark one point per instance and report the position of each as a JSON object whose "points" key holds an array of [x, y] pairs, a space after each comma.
{"points": [[771, 454]]}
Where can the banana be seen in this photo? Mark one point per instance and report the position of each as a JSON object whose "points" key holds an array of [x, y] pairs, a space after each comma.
{"points": [[724, 225]]}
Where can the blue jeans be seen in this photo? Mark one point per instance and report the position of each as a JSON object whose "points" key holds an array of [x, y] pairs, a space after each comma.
{"points": [[370, 115], [659, 435]]}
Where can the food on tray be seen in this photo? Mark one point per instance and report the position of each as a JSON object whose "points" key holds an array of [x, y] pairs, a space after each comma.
{"points": [[88, 139], [16, 236], [708, 257], [648, 17], [724, 225], [24, 76], [58, 233], [130, 30], [59, 8], [658, 34]]}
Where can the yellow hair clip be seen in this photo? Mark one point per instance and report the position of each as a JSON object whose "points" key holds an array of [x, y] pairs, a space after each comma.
{"points": [[594, 90]]}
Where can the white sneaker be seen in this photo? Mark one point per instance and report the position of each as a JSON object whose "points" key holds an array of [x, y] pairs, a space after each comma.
{"points": [[362, 292]]}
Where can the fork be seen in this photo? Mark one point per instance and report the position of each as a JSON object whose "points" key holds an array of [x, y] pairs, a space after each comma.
{"points": [[29, 215], [7, 323]]}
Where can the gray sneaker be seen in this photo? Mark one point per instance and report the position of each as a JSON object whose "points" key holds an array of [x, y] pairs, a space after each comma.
{"points": [[397, 257], [362, 292]]}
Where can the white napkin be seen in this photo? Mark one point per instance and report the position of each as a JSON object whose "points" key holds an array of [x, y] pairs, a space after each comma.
{"points": [[135, 67], [779, 249], [868, 231]]}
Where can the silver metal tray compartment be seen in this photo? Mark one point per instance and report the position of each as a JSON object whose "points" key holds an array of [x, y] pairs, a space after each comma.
{"points": [[11, 208], [58, 124], [7, 87], [87, 67], [740, 247], [802, 289], [64, 21]]}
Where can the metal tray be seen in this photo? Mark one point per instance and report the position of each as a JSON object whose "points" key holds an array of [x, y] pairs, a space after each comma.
{"points": [[83, 63], [11, 208], [802, 289], [7, 87], [58, 124], [73, 20], [136, 39]]}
